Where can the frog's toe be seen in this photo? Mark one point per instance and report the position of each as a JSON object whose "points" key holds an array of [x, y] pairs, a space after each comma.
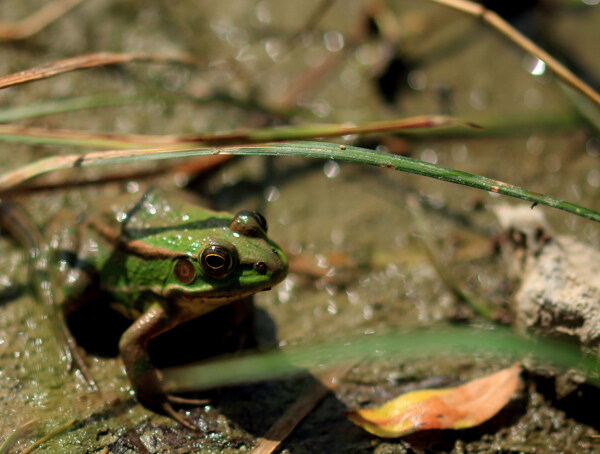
{"points": [[186, 400], [170, 411]]}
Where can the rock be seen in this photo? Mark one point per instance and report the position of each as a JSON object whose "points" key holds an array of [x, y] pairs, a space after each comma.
{"points": [[559, 289]]}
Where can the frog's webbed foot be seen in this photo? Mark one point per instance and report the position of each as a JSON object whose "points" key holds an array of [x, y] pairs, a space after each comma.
{"points": [[144, 377], [186, 401], [170, 412]]}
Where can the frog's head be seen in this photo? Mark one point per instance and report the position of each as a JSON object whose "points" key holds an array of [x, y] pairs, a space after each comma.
{"points": [[234, 260]]}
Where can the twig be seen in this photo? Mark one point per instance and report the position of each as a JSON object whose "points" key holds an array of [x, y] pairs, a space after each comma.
{"points": [[524, 43], [297, 132], [90, 61], [284, 426], [36, 22], [49, 436]]}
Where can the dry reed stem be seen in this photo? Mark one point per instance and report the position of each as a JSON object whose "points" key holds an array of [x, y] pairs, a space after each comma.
{"points": [[524, 43], [37, 21], [89, 61], [296, 412]]}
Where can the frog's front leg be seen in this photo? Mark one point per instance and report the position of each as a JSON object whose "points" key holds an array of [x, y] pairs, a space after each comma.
{"points": [[144, 377]]}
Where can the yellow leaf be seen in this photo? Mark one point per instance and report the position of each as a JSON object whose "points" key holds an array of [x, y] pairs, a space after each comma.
{"points": [[454, 408]]}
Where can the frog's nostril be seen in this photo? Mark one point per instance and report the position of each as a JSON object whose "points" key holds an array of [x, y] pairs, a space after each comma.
{"points": [[261, 267]]}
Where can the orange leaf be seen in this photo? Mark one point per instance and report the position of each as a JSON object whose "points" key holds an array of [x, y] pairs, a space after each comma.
{"points": [[454, 408]]}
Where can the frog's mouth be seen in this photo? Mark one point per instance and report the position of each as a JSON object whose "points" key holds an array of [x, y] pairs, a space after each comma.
{"points": [[209, 300]]}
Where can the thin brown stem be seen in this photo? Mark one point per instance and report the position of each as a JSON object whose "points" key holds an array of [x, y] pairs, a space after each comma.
{"points": [[89, 61], [36, 22], [284, 426], [524, 43]]}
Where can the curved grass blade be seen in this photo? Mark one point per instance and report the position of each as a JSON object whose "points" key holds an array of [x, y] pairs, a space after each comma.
{"points": [[67, 105], [48, 436], [431, 342], [14, 436], [42, 136], [297, 149]]}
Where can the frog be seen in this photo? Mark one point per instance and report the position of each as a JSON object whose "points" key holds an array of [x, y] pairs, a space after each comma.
{"points": [[160, 260]]}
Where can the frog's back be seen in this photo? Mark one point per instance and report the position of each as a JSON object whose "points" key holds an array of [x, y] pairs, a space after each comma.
{"points": [[82, 261], [158, 210]]}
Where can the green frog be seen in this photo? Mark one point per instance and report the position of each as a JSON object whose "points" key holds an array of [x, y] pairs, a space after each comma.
{"points": [[162, 261]]}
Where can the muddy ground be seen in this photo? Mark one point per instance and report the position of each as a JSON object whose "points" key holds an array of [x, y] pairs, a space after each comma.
{"points": [[267, 63]]}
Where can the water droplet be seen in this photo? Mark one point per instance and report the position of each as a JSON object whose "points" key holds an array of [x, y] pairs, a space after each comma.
{"points": [[93, 246], [271, 194], [460, 152], [289, 283], [534, 65], [334, 41], [331, 169], [332, 307], [593, 178], [353, 297], [263, 13], [149, 207], [479, 99], [133, 187], [322, 261], [321, 108], [391, 270], [273, 47], [295, 248], [535, 145], [553, 162], [283, 296], [592, 147], [429, 155], [181, 179], [337, 236], [417, 80]]}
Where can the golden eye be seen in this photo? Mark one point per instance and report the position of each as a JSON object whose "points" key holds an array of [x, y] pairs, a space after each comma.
{"points": [[184, 271], [217, 261]]}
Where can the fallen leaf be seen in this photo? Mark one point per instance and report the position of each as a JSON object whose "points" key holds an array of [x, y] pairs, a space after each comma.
{"points": [[454, 408]]}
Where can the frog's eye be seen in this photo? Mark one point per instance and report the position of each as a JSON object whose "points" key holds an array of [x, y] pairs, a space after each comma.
{"points": [[217, 260], [249, 223], [262, 222], [184, 271]]}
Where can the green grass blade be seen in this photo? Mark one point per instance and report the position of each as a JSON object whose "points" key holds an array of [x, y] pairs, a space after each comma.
{"points": [[297, 149], [15, 435], [66, 105], [455, 342]]}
